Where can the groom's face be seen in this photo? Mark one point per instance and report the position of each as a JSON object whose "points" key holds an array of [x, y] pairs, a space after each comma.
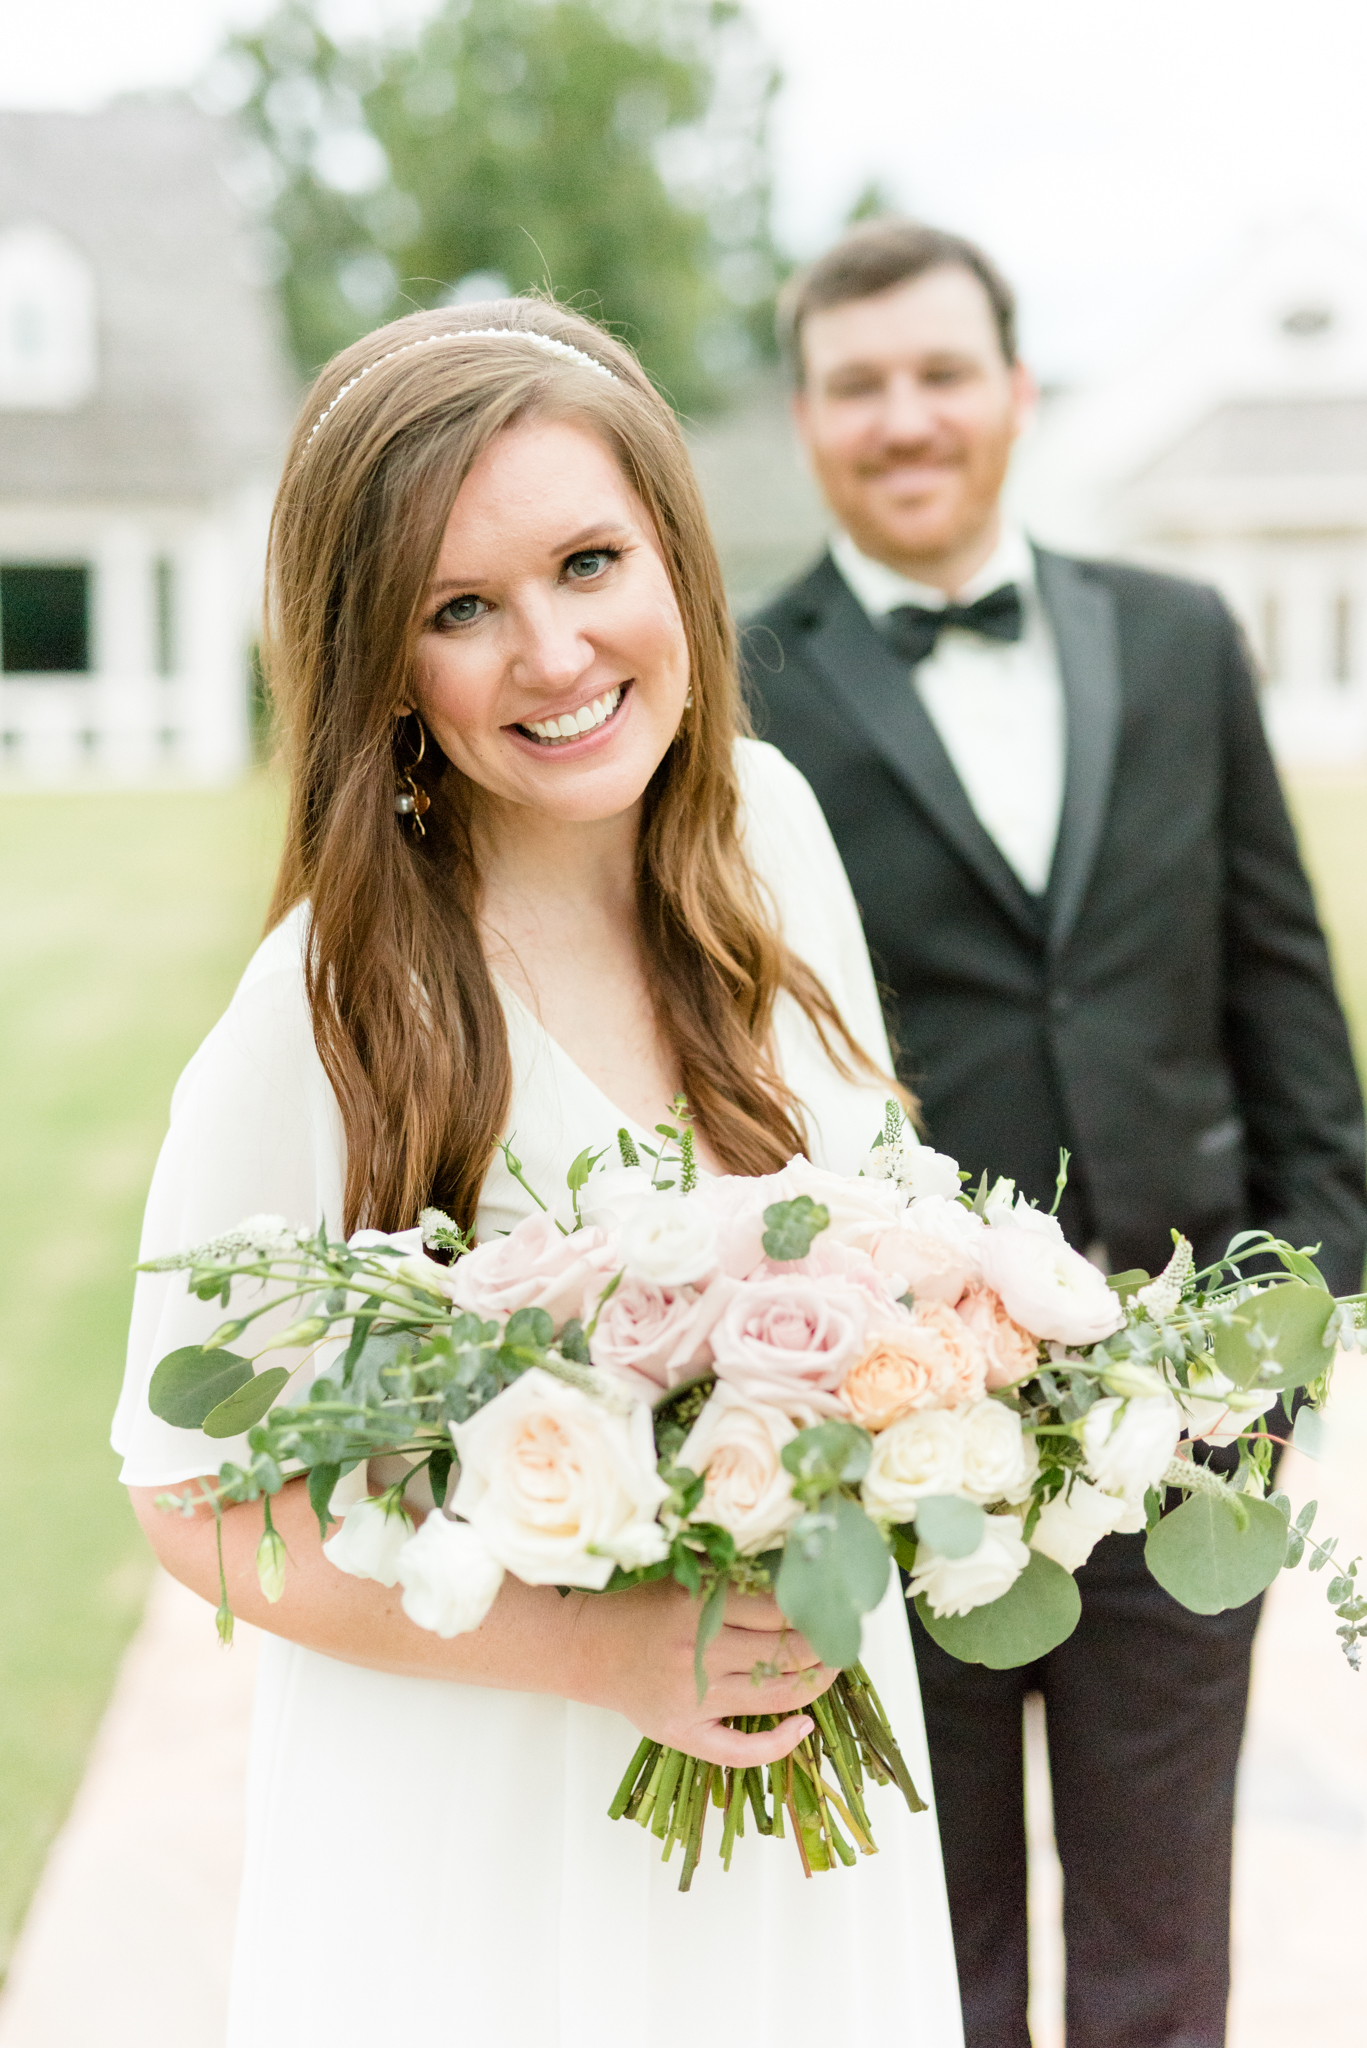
{"points": [[909, 409]]}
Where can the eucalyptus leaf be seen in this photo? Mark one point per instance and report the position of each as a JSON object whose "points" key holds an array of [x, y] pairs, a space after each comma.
{"points": [[1128, 1283], [827, 1456], [1032, 1617], [322, 1479], [1201, 1555], [791, 1226], [190, 1383], [247, 1405], [949, 1524], [835, 1568], [1276, 1338], [1308, 1432], [709, 1624]]}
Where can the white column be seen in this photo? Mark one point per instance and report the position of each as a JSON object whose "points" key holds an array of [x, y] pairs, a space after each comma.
{"points": [[211, 690]]}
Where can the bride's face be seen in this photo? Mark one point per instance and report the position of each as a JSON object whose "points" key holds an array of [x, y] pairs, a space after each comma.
{"points": [[552, 661]]}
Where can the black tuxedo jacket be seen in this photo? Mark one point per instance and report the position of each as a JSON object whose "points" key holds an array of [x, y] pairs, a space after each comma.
{"points": [[1166, 1009]]}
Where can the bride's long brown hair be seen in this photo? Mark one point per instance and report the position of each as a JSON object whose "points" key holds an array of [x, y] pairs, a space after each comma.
{"points": [[406, 1017]]}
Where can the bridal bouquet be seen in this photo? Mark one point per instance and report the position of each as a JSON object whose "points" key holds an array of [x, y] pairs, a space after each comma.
{"points": [[777, 1383]]}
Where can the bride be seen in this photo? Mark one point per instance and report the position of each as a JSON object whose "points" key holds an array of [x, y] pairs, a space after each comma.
{"points": [[534, 886]]}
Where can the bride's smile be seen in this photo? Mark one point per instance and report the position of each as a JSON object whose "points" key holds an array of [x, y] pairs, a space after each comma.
{"points": [[552, 660]]}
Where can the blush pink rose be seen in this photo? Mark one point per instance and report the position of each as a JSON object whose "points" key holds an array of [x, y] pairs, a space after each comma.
{"points": [[532, 1267], [790, 1342], [736, 1204], [655, 1336], [928, 1267], [1012, 1353]]}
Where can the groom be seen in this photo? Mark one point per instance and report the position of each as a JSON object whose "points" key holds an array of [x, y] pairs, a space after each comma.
{"points": [[1049, 783]]}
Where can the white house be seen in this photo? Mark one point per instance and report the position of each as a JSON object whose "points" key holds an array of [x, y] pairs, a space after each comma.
{"points": [[1233, 448], [144, 402]]}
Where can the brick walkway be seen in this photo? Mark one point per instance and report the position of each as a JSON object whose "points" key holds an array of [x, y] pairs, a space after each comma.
{"points": [[140, 1886]]}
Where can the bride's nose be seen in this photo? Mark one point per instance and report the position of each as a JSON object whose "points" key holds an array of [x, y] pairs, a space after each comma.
{"points": [[550, 650]]}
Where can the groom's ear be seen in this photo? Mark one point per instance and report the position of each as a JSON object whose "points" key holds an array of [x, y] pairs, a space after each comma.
{"points": [[1024, 395]]}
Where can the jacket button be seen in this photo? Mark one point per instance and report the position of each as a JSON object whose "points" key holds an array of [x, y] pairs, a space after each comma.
{"points": [[1060, 1002]]}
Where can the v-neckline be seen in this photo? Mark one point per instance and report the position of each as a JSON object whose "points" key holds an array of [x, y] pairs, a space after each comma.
{"points": [[508, 993]]}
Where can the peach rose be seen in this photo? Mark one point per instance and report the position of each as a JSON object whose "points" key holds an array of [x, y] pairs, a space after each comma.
{"points": [[929, 1360], [1012, 1353]]}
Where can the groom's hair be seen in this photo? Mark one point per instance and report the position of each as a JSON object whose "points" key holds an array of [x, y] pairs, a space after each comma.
{"points": [[874, 257]]}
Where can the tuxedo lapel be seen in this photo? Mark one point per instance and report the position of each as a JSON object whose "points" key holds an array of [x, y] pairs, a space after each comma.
{"points": [[1081, 611], [875, 688]]}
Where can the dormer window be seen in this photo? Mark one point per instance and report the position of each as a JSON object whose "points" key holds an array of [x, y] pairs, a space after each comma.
{"points": [[48, 358]]}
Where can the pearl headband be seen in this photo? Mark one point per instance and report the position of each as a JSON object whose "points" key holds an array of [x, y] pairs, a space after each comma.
{"points": [[546, 342]]}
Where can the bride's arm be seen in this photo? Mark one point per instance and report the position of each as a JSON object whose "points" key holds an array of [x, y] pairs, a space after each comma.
{"points": [[631, 1651]]}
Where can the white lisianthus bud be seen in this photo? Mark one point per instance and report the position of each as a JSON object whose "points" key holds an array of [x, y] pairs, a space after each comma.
{"points": [[449, 1579], [1072, 1524], [1128, 1443], [367, 1545], [920, 1455], [270, 1564], [956, 1585], [1133, 1380], [999, 1459], [1000, 1201], [420, 1271], [670, 1241]]}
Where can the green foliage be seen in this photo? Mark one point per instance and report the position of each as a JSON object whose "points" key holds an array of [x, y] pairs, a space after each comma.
{"points": [[835, 1568], [189, 1383], [1032, 1617], [612, 153], [1274, 1339], [950, 1524], [1214, 1553], [826, 1457], [247, 1405], [791, 1226]]}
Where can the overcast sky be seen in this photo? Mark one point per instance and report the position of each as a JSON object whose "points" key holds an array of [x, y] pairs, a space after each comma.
{"points": [[1113, 158]]}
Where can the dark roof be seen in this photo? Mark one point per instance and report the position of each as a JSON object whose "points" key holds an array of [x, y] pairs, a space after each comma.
{"points": [[194, 394], [1272, 437]]}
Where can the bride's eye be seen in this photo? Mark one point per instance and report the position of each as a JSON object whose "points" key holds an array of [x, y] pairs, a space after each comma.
{"points": [[590, 563], [459, 611]]}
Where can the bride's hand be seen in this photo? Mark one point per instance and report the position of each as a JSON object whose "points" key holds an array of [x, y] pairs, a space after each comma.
{"points": [[637, 1657]]}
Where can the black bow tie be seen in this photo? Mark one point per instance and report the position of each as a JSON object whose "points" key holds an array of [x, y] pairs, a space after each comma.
{"points": [[913, 630]]}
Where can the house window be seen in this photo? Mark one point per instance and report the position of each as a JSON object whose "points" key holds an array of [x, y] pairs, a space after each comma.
{"points": [[48, 352], [1343, 638], [164, 613], [44, 619]]}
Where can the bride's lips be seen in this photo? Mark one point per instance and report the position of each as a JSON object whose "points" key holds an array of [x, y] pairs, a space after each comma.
{"points": [[610, 708]]}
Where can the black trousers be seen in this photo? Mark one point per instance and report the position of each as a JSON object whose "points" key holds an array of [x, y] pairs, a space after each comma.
{"points": [[1144, 1706]]}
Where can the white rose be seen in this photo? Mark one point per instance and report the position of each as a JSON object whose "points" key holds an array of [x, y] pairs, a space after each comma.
{"points": [[920, 1455], [670, 1241], [858, 1209], [1072, 1524], [1048, 1288], [1128, 1443], [956, 1585], [736, 1446], [449, 1579], [611, 1198], [369, 1541], [998, 1461], [557, 1483], [923, 1172]]}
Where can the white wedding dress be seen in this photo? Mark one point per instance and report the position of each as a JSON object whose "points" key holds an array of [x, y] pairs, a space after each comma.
{"points": [[427, 1855]]}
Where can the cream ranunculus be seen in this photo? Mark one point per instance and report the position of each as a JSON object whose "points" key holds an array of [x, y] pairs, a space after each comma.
{"points": [[1072, 1524], [737, 1447], [1047, 1287], [999, 1459], [920, 1455], [1128, 1443], [670, 1241], [859, 1209], [449, 1579], [956, 1585], [559, 1485], [369, 1541]]}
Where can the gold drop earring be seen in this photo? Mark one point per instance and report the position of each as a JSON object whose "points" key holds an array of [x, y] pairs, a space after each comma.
{"points": [[410, 799]]}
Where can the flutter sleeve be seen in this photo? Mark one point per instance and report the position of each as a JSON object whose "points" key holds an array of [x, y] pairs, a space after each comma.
{"points": [[255, 1130]]}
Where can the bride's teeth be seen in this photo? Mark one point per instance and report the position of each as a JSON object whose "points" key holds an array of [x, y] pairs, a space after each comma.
{"points": [[587, 719]]}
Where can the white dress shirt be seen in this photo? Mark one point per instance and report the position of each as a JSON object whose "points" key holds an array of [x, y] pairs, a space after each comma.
{"points": [[997, 705]]}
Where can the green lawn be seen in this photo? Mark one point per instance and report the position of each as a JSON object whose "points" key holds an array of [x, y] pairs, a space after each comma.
{"points": [[124, 923]]}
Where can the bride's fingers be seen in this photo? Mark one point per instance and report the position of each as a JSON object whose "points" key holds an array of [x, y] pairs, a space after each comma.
{"points": [[739, 1694], [740, 1649], [715, 1743]]}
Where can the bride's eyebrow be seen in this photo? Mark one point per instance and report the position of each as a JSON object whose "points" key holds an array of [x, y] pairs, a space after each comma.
{"points": [[605, 532]]}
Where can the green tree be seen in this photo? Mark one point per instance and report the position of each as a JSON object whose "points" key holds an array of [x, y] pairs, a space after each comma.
{"points": [[611, 151]]}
